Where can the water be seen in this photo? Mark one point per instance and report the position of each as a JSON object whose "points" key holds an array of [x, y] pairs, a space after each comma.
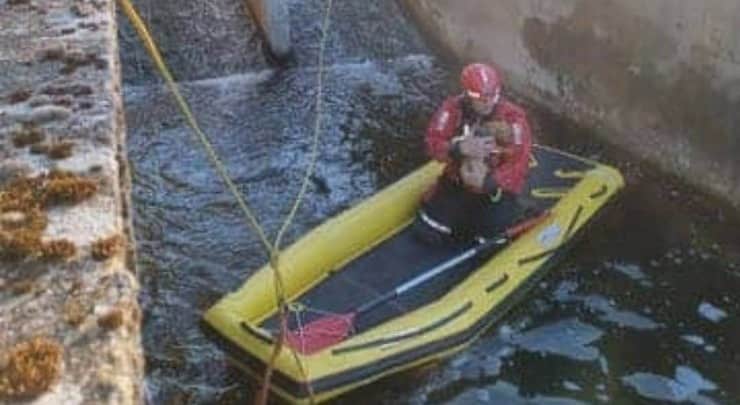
{"points": [[624, 319]]}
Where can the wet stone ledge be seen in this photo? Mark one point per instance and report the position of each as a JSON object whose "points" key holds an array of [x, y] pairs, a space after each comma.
{"points": [[69, 318]]}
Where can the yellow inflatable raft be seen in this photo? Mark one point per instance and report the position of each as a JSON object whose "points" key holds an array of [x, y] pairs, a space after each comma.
{"points": [[369, 250]]}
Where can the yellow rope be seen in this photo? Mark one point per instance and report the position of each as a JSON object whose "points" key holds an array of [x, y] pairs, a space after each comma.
{"points": [[272, 249], [274, 261], [316, 128], [156, 56]]}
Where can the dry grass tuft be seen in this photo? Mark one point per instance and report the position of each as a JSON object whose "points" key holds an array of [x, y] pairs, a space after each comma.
{"points": [[112, 320], [32, 368], [104, 249]]}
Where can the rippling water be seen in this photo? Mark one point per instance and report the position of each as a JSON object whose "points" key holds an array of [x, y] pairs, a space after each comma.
{"points": [[634, 313]]}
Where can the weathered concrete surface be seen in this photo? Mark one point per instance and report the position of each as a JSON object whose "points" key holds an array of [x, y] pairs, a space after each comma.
{"points": [[59, 71], [660, 77]]}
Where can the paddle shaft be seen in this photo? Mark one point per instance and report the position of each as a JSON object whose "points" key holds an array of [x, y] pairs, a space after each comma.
{"points": [[486, 244], [434, 272]]}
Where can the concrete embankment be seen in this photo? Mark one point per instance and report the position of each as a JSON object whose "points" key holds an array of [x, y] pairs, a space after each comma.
{"points": [[660, 78], [69, 318], [273, 18]]}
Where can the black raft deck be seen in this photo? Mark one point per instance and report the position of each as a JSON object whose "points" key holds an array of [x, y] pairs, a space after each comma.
{"points": [[403, 257]]}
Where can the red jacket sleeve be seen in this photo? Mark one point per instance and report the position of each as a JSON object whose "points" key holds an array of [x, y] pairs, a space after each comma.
{"points": [[442, 128], [511, 173]]}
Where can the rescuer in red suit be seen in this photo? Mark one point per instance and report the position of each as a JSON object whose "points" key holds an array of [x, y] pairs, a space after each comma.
{"points": [[485, 142]]}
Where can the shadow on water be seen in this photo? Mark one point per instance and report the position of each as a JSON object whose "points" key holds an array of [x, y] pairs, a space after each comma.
{"points": [[643, 308]]}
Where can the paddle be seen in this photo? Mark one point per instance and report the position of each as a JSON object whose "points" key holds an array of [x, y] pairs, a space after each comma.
{"points": [[332, 329]]}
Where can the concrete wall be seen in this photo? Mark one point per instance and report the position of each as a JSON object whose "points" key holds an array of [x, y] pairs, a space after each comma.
{"points": [[60, 76], [659, 77], [273, 18]]}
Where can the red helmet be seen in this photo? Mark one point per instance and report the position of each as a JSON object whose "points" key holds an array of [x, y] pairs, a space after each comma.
{"points": [[481, 82]]}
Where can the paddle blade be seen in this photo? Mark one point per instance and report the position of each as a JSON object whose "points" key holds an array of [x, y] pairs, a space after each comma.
{"points": [[526, 225], [321, 333]]}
